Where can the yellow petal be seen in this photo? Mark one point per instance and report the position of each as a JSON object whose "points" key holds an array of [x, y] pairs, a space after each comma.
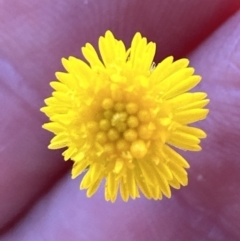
{"points": [[91, 56], [131, 185], [79, 167], [182, 100], [112, 186], [69, 153], [190, 116], [124, 191], [147, 172], [58, 86], [59, 141], [192, 131], [94, 187], [172, 155], [174, 183], [185, 83], [53, 127], [179, 173]]}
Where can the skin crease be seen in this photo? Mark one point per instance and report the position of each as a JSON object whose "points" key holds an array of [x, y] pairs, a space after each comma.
{"points": [[33, 38]]}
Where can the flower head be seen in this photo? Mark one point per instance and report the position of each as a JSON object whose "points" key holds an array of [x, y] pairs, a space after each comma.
{"points": [[120, 115]]}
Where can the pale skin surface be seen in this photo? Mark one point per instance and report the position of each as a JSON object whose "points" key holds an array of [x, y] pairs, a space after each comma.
{"points": [[34, 35]]}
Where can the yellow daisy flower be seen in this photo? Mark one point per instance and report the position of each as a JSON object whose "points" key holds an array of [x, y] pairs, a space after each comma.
{"points": [[121, 117]]}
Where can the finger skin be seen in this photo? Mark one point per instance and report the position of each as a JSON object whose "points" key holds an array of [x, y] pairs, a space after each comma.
{"points": [[35, 35], [217, 173], [208, 209]]}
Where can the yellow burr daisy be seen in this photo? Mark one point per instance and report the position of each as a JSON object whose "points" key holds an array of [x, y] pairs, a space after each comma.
{"points": [[120, 118]]}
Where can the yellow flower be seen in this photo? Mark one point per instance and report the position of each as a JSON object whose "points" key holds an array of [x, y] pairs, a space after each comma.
{"points": [[120, 115]]}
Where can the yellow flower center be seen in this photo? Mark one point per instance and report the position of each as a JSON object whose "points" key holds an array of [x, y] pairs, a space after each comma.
{"points": [[123, 126]]}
